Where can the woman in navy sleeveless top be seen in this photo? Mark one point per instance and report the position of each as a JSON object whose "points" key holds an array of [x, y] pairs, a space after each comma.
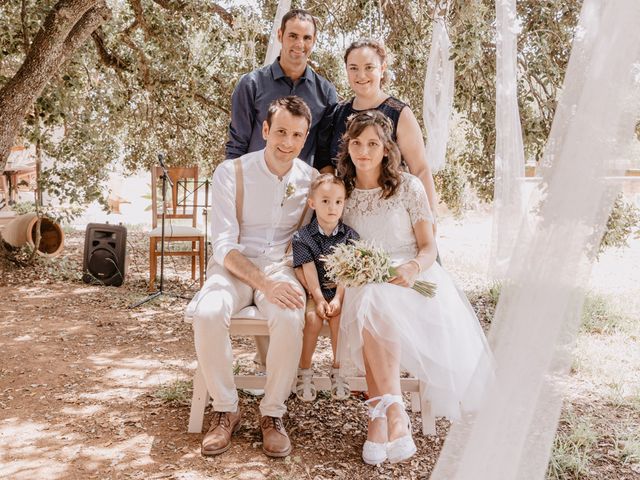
{"points": [[365, 61]]}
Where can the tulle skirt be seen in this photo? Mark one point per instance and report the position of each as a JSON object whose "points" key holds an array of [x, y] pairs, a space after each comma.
{"points": [[437, 340]]}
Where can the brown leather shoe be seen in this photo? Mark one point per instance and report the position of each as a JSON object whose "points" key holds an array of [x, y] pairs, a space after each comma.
{"points": [[218, 439], [275, 441]]}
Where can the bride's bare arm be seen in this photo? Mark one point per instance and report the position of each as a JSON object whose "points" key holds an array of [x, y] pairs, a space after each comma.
{"points": [[407, 272]]}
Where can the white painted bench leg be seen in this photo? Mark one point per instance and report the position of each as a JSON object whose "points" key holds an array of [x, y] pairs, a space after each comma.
{"points": [[428, 420], [198, 402], [415, 402]]}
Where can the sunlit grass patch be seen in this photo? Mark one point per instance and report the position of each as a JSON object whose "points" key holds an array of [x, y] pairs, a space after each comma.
{"points": [[567, 461], [494, 292], [627, 446], [178, 392], [571, 447], [484, 302], [602, 316], [633, 400], [623, 393]]}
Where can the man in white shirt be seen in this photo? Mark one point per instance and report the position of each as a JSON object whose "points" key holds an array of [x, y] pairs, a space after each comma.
{"points": [[251, 265]]}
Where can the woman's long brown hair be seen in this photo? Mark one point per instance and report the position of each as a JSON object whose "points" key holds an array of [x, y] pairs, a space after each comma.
{"points": [[390, 177]]}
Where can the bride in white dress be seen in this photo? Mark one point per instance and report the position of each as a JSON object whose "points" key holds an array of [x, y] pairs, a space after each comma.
{"points": [[388, 327]]}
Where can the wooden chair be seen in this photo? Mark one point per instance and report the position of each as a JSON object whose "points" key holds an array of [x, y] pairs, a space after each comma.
{"points": [[249, 322], [181, 206]]}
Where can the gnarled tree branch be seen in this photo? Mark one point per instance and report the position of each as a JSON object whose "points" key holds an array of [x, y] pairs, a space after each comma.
{"points": [[214, 8], [143, 65], [106, 57], [169, 5], [25, 30], [67, 26], [207, 102], [140, 22]]}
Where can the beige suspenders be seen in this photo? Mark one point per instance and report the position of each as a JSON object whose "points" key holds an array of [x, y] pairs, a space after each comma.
{"points": [[237, 163], [304, 213]]}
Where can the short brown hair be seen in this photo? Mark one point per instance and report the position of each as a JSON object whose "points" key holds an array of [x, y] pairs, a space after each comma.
{"points": [[325, 178], [292, 104], [390, 174], [375, 45], [300, 14]]}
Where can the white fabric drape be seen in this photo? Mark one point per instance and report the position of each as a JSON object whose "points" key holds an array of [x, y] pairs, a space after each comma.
{"points": [[274, 45], [438, 95], [538, 313], [509, 151]]}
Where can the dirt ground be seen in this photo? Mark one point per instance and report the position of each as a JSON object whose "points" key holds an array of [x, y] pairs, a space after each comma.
{"points": [[90, 388]]}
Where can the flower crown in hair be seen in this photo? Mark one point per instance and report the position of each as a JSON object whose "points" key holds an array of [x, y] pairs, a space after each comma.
{"points": [[377, 117]]}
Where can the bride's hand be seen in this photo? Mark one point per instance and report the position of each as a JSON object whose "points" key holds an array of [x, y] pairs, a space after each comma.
{"points": [[405, 274]]}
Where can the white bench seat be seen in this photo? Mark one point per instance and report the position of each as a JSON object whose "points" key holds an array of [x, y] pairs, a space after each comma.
{"points": [[249, 322]]}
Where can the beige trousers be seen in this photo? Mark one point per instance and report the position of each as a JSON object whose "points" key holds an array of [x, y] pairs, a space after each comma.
{"points": [[223, 295]]}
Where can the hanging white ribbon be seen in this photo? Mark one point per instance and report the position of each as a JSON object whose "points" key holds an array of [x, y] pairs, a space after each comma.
{"points": [[274, 45], [438, 95], [538, 314], [509, 151]]}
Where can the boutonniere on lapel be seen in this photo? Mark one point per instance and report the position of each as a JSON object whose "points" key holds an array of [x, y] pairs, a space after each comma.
{"points": [[288, 192]]}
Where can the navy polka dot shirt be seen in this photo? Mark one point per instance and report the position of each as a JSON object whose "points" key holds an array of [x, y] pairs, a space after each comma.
{"points": [[309, 244]]}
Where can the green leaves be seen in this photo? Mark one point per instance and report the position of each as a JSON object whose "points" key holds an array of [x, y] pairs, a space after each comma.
{"points": [[167, 80], [151, 79]]}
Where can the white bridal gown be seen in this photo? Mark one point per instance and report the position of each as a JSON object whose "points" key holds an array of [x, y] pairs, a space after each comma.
{"points": [[439, 339]]}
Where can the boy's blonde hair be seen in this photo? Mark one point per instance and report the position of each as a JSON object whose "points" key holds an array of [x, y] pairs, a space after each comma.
{"points": [[325, 178]]}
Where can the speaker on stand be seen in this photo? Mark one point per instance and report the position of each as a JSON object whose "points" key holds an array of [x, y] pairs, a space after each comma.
{"points": [[104, 254]]}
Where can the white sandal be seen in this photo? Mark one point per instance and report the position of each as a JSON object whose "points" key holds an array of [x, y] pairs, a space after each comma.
{"points": [[402, 448], [340, 389], [375, 453], [399, 449], [305, 389]]}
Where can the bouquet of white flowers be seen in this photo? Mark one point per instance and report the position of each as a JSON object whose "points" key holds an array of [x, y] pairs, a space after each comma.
{"points": [[358, 263]]}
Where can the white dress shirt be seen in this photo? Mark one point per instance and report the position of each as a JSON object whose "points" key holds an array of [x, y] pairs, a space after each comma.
{"points": [[271, 211]]}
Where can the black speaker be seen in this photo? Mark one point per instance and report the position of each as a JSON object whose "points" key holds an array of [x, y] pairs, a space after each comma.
{"points": [[104, 254]]}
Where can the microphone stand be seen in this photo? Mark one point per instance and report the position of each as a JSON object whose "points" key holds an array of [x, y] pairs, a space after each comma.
{"points": [[160, 291]]}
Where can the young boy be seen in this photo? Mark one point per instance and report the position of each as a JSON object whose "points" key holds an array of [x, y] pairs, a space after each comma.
{"points": [[326, 196]]}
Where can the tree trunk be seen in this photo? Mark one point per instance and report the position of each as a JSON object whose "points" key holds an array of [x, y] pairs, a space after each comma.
{"points": [[66, 28]]}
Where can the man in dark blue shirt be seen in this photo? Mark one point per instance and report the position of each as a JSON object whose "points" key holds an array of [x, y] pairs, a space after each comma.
{"points": [[288, 75]]}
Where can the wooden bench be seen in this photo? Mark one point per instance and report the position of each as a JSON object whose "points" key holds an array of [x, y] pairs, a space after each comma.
{"points": [[249, 322]]}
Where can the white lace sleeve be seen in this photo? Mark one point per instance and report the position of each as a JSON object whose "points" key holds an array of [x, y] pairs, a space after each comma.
{"points": [[415, 199]]}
